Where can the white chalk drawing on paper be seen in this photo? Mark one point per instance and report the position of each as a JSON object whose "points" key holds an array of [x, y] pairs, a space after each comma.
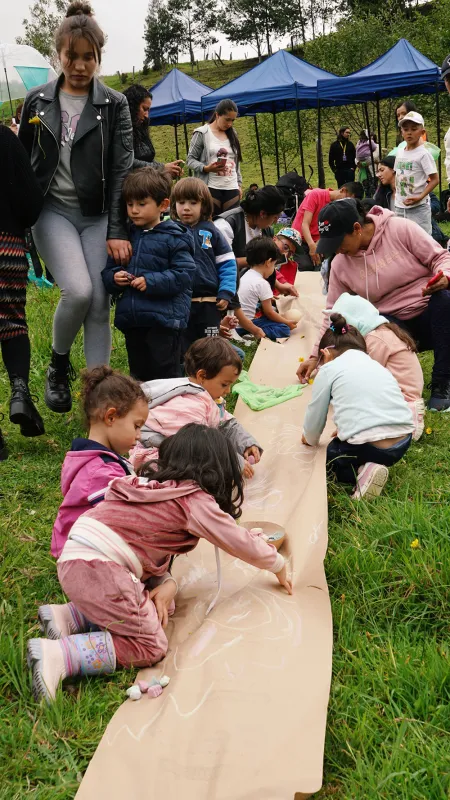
{"points": [[137, 737], [315, 535], [208, 658]]}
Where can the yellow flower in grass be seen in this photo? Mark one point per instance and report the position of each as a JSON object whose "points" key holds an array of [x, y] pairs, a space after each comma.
{"points": [[428, 431], [415, 544], [35, 120]]}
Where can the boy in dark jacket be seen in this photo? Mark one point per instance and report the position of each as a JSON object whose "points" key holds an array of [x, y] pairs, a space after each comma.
{"points": [[215, 265], [154, 295]]}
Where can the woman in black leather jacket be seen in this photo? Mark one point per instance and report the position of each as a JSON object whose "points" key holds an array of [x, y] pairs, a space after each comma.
{"points": [[79, 137], [140, 102]]}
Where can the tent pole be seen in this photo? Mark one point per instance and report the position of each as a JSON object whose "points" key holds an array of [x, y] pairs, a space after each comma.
{"points": [[320, 170], [177, 150], [438, 133], [259, 150], [186, 141], [369, 134], [299, 134], [275, 133], [379, 125], [9, 92]]}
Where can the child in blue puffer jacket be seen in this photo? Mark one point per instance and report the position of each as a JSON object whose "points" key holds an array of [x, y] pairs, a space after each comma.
{"points": [[154, 294], [216, 270]]}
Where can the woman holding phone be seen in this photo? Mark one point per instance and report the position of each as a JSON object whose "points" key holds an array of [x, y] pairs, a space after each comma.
{"points": [[140, 102], [215, 155]]}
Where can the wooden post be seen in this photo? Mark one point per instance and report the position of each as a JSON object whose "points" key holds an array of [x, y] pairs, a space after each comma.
{"points": [[259, 150], [177, 151], [366, 112], [299, 134], [275, 133], [379, 125], [438, 134], [320, 169]]}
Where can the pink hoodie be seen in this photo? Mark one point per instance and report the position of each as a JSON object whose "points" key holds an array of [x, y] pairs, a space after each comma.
{"points": [[159, 520], [392, 272], [87, 469]]}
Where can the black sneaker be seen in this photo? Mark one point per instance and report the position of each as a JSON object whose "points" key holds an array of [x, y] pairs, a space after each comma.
{"points": [[3, 448], [22, 410], [60, 375], [440, 395]]}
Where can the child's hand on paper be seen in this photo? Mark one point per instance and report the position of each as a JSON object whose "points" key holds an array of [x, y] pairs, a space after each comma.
{"points": [[253, 451], [248, 470], [284, 581], [162, 597]]}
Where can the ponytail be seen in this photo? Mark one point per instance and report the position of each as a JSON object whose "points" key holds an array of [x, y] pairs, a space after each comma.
{"points": [[341, 336], [103, 388]]}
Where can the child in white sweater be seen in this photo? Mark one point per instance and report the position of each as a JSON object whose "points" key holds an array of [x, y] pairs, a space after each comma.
{"points": [[374, 423]]}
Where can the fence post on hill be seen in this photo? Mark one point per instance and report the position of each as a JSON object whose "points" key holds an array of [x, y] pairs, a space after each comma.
{"points": [[320, 169], [259, 150], [378, 125], [186, 141], [299, 133], [177, 150], [275, 133], [369, 134], [438, 134]]}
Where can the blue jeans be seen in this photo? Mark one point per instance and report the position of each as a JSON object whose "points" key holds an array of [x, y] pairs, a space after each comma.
{"points": [[273, 330], [344, 458]]}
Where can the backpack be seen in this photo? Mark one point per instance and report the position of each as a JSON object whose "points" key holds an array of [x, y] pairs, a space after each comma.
{"points": [[293, 187]]}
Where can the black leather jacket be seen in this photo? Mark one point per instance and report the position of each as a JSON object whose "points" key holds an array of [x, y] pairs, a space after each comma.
{"points": [[102, 150]]}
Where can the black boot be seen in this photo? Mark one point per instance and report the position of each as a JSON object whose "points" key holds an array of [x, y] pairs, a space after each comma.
{"points": [[3, 448], [60, 375], [22, 410], [440, 395]]}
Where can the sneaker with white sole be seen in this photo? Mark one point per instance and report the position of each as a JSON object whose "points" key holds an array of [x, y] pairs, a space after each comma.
{"points": [[370, 481]]}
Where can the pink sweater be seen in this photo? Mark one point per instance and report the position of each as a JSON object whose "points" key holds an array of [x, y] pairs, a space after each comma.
{"points": [[159, 520], [386, 348], [392, 272]]}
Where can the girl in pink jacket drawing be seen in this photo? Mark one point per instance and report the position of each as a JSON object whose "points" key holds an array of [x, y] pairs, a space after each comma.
{"points": [[194, 491], [115, 409], [212, 366]]}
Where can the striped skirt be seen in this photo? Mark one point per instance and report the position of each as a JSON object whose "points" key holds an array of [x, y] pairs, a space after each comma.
{"points": [[13, 286]]}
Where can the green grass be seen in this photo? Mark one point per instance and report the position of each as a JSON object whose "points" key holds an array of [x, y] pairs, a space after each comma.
{"points": [[389, 718]]}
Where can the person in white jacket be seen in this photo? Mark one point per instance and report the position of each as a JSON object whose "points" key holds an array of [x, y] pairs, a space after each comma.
{"points": [[374, 424]]}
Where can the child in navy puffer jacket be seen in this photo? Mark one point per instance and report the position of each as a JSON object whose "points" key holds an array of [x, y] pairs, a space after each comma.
{"points": [[216, 270], [154, 294]]}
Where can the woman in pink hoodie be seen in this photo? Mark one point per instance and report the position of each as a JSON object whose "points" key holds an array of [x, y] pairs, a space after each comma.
{"points": [[391, 262], [194, 491]]}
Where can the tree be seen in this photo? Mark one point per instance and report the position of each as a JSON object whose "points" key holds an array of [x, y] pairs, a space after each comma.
{"points": [[250, 22], [40, 27], [163, 35], [197, 18]]}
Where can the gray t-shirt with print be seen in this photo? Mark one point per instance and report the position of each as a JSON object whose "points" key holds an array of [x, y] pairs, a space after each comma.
{"points": [[62, 187]]}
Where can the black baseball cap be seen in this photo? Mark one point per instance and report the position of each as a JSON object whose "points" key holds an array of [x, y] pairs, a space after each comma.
{"points": [[445, 69], [335, 221]]}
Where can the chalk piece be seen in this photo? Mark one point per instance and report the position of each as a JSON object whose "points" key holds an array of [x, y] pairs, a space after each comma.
{"points": [[143, 686], [134, 693], [251, 459], [165, 680], [256, 531], [155, 691]]}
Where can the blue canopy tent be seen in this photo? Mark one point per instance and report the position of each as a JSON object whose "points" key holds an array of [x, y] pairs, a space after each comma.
{"points": [[402, 70], [176, 101], [280, 83]]}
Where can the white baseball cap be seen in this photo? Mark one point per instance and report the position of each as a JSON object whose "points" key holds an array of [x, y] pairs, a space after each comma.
{"points": [[412, 116]]}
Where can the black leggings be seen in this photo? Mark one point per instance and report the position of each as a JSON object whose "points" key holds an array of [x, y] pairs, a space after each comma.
{"points": [[224, 199], [16, 354]]}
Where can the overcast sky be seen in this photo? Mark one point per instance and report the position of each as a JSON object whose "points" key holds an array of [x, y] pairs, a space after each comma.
{"points": [[125, 47]]}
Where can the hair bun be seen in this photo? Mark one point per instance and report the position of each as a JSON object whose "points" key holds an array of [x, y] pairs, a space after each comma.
{"points": [[338, 324], [90, 378], [78, 7]]}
